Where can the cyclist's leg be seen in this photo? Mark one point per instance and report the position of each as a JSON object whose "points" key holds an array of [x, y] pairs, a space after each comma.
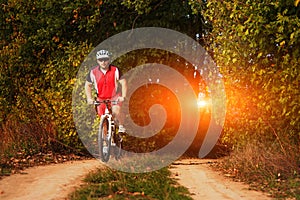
{"points": [[100, 108], [116, 109]]}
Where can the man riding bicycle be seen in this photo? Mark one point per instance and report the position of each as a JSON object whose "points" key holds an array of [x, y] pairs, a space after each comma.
{"points": [[105, 78]]}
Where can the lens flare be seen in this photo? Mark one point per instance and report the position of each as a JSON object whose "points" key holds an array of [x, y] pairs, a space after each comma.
{"points": [[202, 103], [191, 52]]}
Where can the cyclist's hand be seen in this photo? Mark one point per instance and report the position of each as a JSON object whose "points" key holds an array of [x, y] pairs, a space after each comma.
{"points": [[90, 101], [121, 99]]}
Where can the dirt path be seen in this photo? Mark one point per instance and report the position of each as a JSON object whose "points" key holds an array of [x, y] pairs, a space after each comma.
{"points": [[51, 182], [55, 182], [204, 183]]}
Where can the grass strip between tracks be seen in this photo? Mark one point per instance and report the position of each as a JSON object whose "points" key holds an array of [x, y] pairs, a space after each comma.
{"points": [[111, 184]]}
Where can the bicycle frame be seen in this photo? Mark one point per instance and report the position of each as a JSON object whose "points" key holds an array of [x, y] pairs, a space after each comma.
{"points": [[108, 114], [111, 130]]}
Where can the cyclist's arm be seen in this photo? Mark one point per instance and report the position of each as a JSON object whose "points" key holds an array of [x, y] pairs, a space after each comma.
{"points": [[123, 84], [88, 92], [122, 81]]}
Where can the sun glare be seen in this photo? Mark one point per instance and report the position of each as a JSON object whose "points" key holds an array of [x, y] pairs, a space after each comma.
{"points": [[201, 103]]}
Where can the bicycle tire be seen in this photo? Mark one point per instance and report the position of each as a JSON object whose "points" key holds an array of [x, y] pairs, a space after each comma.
{"points": [[103, 140]]}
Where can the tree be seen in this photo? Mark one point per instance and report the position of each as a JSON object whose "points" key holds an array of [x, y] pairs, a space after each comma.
{"points": [[256, 45]]}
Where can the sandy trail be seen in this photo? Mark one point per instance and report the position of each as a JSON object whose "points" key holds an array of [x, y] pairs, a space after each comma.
{"points": [[204, 183], [53, 182], [57, 181]]}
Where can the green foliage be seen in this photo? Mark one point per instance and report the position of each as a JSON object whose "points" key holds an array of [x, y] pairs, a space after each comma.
{"points": [[176, 15], [43, 44], [39, 70], [256, 46]]}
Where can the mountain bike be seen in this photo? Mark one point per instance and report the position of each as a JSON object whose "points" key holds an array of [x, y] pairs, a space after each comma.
{"points": [[109, 140]]}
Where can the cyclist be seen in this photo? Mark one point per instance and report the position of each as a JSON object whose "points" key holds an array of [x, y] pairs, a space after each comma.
{"points": [[105, 78]]}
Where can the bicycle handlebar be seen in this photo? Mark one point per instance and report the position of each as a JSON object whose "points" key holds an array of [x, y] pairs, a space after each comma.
{"points": [[97, 103]]}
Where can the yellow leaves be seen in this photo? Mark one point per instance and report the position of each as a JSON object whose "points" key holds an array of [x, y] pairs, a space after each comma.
{"points": [[259, 55], [292, 34], [253, 68], [296, 2], [282, 43], [247, 32], [261, 72], [72, 133], [75, 63], [72, 81]]}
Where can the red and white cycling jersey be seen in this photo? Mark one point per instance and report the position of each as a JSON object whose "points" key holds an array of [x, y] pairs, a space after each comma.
{"points": [[105, 82]]}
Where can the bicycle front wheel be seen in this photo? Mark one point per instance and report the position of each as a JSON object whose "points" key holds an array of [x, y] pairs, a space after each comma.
{"points": [[104, 140]]}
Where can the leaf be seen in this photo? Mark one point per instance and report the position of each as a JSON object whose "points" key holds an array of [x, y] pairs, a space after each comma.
{"points": [[259, 55], [247, 32], [292, 34]]}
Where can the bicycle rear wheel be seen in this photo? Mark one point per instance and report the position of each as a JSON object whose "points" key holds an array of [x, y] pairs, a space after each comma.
{"points": [[118, 147], [104, 140]]}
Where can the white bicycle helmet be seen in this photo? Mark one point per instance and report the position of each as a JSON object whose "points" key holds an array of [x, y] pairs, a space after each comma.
{"points": [[102, 54]]}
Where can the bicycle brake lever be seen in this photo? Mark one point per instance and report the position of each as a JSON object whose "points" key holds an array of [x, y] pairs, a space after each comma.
{"points": [[97, 103]]}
